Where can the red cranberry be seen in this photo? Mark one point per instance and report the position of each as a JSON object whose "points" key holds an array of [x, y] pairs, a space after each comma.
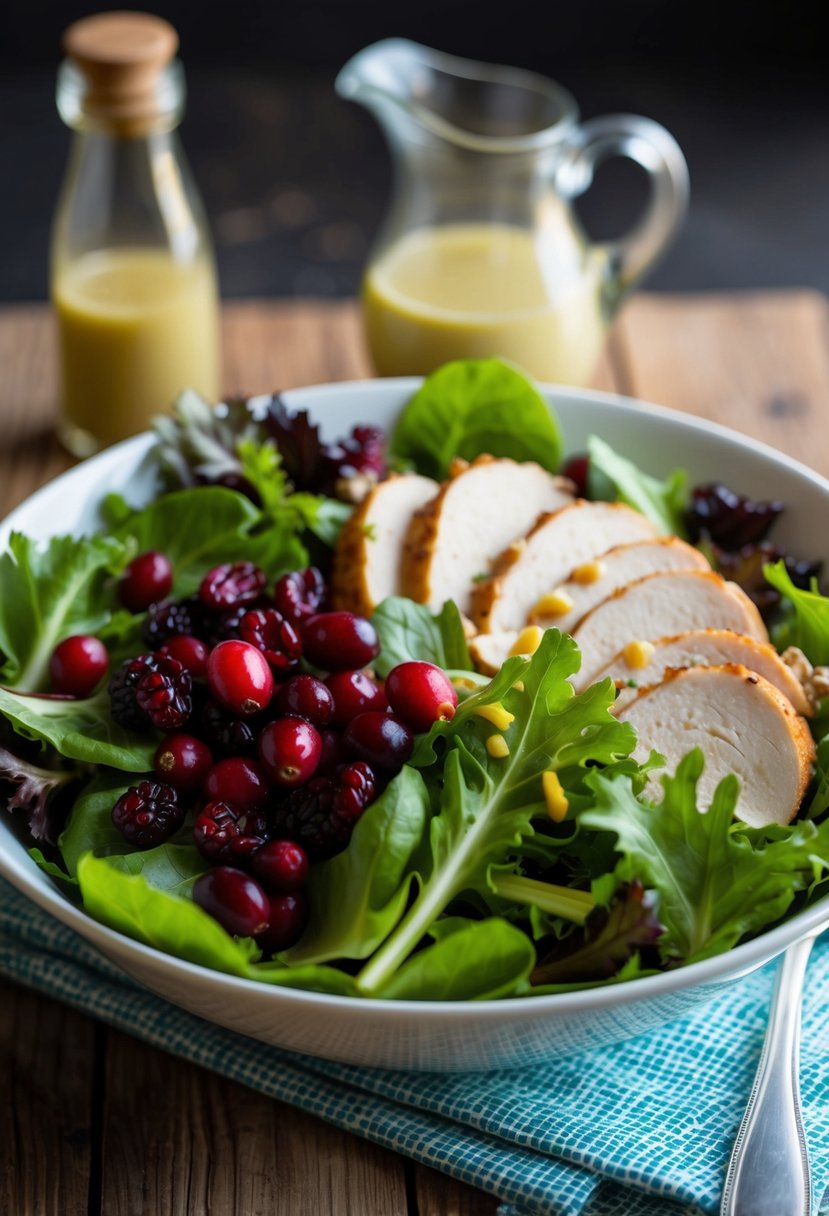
{"points": [[281, 866], [338, 641], [287, 918], [148, 814], [276, 637], [420, 693], [146, 580], [354, 692], [231, 584], [78, 664], [190, 652], [299, 594], [381, 739], [234, 899], [306, 697], [239, 677], [290, 749], [183, 761], [224, 833], [577, 468], [237, 780]]}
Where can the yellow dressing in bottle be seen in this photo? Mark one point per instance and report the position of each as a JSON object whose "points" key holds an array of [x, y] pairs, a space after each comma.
{"points": [[136, 328], [469, 290]]}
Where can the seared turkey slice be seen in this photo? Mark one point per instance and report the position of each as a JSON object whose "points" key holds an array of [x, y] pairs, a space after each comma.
{"points": [[742, 723], [560, 541], [594, 581], [704, 648], [367, 559], [481, 509], [658, 606]]}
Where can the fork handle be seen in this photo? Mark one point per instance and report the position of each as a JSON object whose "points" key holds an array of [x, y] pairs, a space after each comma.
{"points": [[768, 1174]]}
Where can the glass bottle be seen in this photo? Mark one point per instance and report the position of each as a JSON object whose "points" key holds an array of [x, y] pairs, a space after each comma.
{"points": [[133, 278]]}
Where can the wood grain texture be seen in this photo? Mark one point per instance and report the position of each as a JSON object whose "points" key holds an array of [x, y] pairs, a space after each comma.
{"points": [[179, 1141], [46, 1079]]}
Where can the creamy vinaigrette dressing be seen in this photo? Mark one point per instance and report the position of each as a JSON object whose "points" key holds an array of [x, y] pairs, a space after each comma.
{"points": [[468, 290], [136, 328]]}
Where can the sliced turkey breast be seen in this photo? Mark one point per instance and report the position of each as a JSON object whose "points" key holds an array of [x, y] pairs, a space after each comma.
{"points": [[658, 606], [594, 581], [578, 533], [482, 508], [368, 556], [743, 725], [702, 648]]}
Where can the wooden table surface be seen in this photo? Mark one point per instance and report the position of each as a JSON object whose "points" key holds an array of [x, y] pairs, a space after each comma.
{"points": [[92, 1121]]}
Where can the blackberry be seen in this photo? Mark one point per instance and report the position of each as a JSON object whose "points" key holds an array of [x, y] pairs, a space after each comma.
{"points": [[148, 814], [276, 637], [223, 833], [173, 618], [165, 694], [320, 816], [226, 735], [122, 692]]}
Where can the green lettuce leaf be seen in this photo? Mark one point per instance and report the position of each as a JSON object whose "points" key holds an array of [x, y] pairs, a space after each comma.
{"points": [[79, 729], [123, 898], [358, 896], [476, 406], [487, 804], [808, 624], [409, 631], [717, 880], [47, 593], [612, 478]]}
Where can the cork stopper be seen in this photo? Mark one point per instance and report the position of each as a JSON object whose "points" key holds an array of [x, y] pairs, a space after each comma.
{"points": [[122, 57]]}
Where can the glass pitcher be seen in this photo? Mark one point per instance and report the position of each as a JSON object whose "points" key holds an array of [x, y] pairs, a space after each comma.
{"points": [[481, 253]]}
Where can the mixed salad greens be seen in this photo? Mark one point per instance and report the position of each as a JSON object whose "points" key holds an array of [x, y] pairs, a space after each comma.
{"points": [[472, 874]]}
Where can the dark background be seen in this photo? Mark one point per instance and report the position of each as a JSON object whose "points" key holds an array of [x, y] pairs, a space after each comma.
{"points": [[295, 179]]}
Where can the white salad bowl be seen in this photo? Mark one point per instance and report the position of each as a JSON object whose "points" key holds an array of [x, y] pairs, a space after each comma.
{"points": [[430, 1035]]}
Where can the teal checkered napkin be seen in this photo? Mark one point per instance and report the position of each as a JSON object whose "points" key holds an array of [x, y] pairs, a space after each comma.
{"points": [[641, 1129]]}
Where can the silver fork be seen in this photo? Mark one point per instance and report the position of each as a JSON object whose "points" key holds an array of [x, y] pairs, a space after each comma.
{"points": [[768, 1174]]}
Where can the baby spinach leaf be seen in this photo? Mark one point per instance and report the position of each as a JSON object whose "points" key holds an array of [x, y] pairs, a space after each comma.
{"points": [[47, 593], [488, 802], [717, 880], [358, 896], [614, 478], [480, 960], [476, 406], [51, 867]]}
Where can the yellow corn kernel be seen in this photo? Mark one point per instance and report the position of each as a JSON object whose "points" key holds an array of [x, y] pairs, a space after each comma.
{"points": [[638, 654], [554, 796], [555, 603], [497, 747], [462, 682], [496, 714], [528, 640], [588, 572], [519, 685]]}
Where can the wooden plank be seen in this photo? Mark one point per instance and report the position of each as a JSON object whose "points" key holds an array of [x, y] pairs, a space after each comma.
{"points": [[758, 362], [47, 1064], [179, 1141]]}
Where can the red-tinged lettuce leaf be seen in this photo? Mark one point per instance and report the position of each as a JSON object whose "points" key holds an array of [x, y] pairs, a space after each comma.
{"points": [[718, 881], [298, 442], [30, 789], [611, 937]]}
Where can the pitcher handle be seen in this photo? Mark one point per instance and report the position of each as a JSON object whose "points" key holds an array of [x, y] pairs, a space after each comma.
{"points": [[655, 149]]}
